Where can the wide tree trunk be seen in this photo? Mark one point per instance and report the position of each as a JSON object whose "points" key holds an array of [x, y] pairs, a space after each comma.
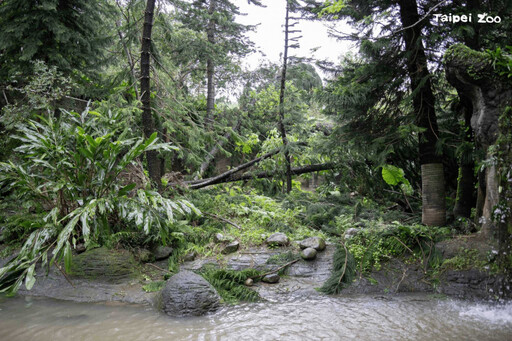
{"points": [[433, 196], [145, 89], [472, 74]]}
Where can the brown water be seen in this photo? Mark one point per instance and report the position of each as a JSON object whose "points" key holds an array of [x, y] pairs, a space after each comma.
{"points": [[409, 317]]}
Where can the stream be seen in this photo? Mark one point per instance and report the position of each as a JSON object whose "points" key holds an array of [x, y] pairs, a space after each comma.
{"points": [[404, 317]]}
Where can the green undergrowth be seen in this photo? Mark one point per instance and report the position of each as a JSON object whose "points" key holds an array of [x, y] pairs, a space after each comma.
{"points": [[230, 284], [153, 286], [343, 273]]}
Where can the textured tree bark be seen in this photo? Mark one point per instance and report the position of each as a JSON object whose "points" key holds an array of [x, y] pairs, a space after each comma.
{"points": [[145, 88], [281, 102], [471, 73], [433, 206], [465, 199], [210, 67]]}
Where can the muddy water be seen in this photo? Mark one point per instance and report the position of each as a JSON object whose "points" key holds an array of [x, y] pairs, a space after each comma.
{"points": [[410, 317]]}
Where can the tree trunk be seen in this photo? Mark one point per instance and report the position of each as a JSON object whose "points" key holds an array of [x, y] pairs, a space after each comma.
{"points": [[259, 175], [433, 206], [145, 88], [465, 199], [281, 103], [210, 67]]}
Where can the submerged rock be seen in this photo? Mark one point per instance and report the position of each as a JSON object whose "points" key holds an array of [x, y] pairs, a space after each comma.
{"points": [[231, 247], [316, 243], [308, 253], [271, 278], [188, 294], [278, 239]]}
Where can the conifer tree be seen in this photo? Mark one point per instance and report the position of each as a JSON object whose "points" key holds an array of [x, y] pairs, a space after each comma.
{"points": [[66, 34]]}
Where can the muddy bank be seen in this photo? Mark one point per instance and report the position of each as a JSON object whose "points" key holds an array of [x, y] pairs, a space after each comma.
{"points": [[120, 283]]}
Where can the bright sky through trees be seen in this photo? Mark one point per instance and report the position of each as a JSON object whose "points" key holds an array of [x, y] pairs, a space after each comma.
{"points": [[269, 35]]}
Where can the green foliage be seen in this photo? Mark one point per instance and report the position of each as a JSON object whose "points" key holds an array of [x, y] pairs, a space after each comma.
{"points": [[65, 34], [343, 273], [153, 286], [394, 176], [230, 284], [371, 246], [71, 169], [465, 259]]}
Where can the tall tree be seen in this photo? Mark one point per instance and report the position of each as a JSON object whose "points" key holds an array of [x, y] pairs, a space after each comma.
{"points": [[67, 34], [288, 43], [225, 40], [432, 174], [154, 164]]}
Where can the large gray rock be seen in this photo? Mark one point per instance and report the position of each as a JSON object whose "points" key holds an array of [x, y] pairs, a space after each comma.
{"points": [[316, 243], [187, 293], [308, 253], [278, 239]]}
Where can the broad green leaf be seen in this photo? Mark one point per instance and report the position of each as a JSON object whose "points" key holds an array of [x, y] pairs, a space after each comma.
{"points": [[126, 189], [392, 175], [30, 280]]}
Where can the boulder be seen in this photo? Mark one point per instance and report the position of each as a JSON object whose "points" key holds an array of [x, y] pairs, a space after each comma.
{"points": [[188, 294], [162, 252], [316, 243], [278, 239], [308, 253], [102, 264], [231, 247], [271, 278]]}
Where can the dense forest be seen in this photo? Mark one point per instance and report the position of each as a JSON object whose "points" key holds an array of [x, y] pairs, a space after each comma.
{"points": [[132, 124]]}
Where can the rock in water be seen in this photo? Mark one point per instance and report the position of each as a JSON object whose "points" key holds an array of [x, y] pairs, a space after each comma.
{"points": [[278, 239], [231, 247], [162, 252], [308, 253], [271, 278], [316, 243], [188, 294]]}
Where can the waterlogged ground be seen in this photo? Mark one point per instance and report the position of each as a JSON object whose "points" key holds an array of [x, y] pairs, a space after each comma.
{"points": [[407, 317]]}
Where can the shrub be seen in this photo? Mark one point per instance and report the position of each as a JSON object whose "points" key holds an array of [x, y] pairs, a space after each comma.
{"points": [[70, 168]]}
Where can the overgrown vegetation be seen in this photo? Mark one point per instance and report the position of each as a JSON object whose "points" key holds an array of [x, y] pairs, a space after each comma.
{"points": [[354, 152], [230, 284]]}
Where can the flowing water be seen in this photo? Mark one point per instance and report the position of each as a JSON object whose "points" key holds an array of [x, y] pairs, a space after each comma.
{"points": [[408, 317]]}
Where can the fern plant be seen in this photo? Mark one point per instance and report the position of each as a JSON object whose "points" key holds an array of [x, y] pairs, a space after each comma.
{"points": [[70, 167]]}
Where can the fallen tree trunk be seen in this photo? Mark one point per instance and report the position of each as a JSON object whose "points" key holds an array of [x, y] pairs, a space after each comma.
{"points": [[259, 175], [218, 179]]}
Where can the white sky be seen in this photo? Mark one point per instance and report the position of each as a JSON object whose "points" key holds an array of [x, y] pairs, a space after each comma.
{"points": [[269, 35]]}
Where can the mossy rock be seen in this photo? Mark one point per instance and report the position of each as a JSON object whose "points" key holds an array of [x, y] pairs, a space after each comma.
{"points": [[102, 264]]}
